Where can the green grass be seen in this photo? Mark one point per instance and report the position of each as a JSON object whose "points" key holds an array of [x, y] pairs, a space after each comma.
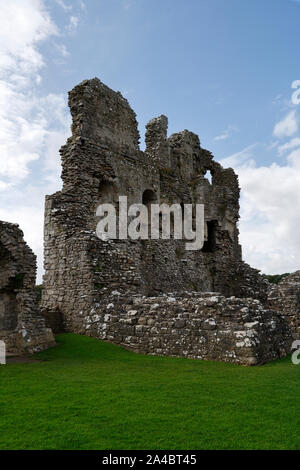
{"points": [[87, 394]]}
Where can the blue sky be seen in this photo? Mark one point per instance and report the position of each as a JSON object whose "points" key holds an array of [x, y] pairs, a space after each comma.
{"points": [[206, 64], [221, 68]]}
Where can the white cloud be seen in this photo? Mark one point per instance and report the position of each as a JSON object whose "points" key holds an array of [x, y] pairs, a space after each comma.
{"points": [[226, 134], [82, 5], [270, 220], [289, 145], [127, 4], [64, 5], [32, 126], [69, 7], [277, 99], [23, 25], [62, 49], [245, 157], [273, 144], [287, 127], [73, 24]]}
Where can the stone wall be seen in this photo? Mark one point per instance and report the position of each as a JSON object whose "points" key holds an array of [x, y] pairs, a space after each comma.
{"points": [[209, 326], [22, 327], [285, 298]]}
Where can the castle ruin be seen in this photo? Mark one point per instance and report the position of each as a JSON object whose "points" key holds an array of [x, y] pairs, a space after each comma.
{"points": [[151, 296]]}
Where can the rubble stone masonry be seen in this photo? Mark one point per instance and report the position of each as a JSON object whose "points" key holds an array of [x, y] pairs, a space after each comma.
{"points": [[101, 161], [22, 327], [285, 299]]}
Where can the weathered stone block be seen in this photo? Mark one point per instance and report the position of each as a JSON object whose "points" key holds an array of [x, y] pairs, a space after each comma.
{"points": [[22, 327]]}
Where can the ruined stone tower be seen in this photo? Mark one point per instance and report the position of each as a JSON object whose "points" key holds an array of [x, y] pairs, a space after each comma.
{"points": [[102, 161], [22, 326]]}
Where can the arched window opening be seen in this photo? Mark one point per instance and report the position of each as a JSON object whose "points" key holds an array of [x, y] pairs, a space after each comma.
{"points": [[208, 176], [8, 301], [8, 310], [149, 198], [210, 237], [108, 193]]}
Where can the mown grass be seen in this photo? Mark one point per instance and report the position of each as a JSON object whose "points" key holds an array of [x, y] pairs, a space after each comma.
{"points": [[87, 394]]}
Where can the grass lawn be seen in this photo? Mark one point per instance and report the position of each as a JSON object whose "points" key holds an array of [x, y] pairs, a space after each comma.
{"points": [[87, 394]]}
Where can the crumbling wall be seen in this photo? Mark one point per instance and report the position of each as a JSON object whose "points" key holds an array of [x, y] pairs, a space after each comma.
{"points": [[285, 299], [102, 161], [22, 327]]}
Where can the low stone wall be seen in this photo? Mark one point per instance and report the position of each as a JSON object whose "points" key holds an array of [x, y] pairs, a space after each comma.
{"points": [[285, 298], [192, 325]]}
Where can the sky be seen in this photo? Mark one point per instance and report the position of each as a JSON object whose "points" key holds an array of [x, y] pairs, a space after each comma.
{"points": [[227, 70]]}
